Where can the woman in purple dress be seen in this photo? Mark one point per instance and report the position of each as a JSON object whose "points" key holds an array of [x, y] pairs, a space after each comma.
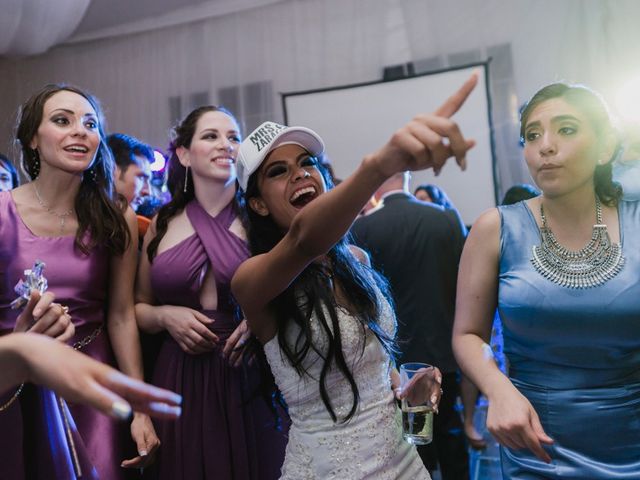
{"points": [[67, 216], [191, 251]]}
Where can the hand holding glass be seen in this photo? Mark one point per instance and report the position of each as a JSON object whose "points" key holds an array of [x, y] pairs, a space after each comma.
{"points": [[418, 403]]}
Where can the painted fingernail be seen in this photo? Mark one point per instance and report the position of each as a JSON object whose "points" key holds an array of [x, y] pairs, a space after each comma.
{"points": [[121, 410], [159, 407], [142, 453]]}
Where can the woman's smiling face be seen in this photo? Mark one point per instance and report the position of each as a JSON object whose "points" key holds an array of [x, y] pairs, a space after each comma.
{"points": [[287, 180]]}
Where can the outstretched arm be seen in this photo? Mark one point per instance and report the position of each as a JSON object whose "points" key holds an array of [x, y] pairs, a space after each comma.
{"points": [[30, 357], [425, 142]]}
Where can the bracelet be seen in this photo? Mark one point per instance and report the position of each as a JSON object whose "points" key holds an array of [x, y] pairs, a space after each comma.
{"points": [[12, 399]]}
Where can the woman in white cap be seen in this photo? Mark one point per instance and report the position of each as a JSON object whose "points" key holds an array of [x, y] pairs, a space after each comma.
{"points": [[321, 313]]}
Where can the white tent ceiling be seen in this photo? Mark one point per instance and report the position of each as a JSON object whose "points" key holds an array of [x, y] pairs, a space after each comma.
{"points": [[30, 27]]}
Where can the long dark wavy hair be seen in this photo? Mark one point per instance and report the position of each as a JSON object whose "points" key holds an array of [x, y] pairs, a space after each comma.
{"points": [[99, 209], [596, 111], [178, 175], [311, 294]]}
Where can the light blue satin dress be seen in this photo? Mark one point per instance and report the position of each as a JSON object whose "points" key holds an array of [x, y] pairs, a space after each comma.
{"points": [[575, 354]]}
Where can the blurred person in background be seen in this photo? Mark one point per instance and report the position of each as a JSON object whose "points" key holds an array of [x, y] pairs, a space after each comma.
{"points": [[8, 175]]}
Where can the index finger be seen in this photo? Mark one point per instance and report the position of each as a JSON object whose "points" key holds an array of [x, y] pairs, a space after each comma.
{"points": [[204, 332], [533, 444], [455, 101], [136, 391], [230, 344]]}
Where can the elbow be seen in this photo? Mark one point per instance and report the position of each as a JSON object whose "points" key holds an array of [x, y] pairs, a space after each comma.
{"points": [[455, 345], [460, 343]]}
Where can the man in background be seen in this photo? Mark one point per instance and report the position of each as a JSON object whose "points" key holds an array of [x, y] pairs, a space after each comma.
{"points": [[133, 167], [417, 246]]}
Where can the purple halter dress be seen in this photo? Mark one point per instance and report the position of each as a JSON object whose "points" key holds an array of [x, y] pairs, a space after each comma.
{"points": [[227, 429], [31, 430]]}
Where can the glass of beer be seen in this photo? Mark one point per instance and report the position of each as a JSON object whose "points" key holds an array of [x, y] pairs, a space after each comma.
{"points": [[417, 416]]}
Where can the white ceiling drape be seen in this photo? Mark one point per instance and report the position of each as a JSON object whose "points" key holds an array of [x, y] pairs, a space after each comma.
{"points": [[29, 27], [290, 45]]}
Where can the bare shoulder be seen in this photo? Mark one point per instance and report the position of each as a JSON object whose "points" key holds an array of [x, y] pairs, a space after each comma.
{"points": [[361, 255], [487, 224], [484, 236], [179, 228]]}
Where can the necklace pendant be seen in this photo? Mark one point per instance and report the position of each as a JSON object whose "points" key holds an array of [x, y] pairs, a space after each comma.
{"points": [[596, 263]]}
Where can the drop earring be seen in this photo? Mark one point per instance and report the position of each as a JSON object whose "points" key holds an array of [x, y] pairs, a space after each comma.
{"points": [[35, 170], [186, 178]]}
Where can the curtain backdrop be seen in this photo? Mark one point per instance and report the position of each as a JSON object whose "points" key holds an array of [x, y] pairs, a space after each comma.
{"points": [[292, 45]]}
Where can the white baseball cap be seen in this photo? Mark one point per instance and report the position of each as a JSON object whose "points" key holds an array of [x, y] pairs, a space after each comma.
{"points": [[257, 145]]}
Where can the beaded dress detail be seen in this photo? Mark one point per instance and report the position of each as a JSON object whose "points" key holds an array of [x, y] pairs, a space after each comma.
{"points": [[370, 445]]}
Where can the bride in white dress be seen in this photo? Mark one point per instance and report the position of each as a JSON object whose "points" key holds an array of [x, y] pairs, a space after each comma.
{"points": [[322, 314]]}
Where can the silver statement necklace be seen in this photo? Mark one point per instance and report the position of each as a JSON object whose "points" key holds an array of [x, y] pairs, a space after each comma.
{"points": [[61, 216], [593, 265]]}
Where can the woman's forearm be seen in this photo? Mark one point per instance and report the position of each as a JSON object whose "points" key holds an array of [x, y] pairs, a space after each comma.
{"points": [[125, 341], [149, 318], [324, 221], [475, 359], [12, 364]]}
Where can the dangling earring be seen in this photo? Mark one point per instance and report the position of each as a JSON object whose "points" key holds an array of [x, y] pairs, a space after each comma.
{"points": [[91, 175], [186, 178], [35, 170]]}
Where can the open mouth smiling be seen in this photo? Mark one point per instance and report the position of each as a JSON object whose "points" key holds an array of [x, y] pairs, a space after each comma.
{"points": [[76, 149], [303, 196]]}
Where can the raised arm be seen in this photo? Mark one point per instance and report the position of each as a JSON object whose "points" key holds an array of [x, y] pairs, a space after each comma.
{"points": [[511, 418], [425, 142]]}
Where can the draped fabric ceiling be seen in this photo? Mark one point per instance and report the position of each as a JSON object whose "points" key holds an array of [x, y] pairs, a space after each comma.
{"points": [[142, 62], [29, 27]]}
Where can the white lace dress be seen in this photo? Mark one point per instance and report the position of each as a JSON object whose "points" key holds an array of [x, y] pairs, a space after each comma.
{"points": [[370, 445]]}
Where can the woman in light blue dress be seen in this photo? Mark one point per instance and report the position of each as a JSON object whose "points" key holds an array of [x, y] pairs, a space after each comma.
{"points": [[564, 271]]}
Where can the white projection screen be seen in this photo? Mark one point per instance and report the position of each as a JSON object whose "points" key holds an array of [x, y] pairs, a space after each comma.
{"points": [[357, 119]]}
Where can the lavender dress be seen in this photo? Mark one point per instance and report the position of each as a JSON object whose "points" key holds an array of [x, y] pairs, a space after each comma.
{"points": [[227, 429], [31, 439]]}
